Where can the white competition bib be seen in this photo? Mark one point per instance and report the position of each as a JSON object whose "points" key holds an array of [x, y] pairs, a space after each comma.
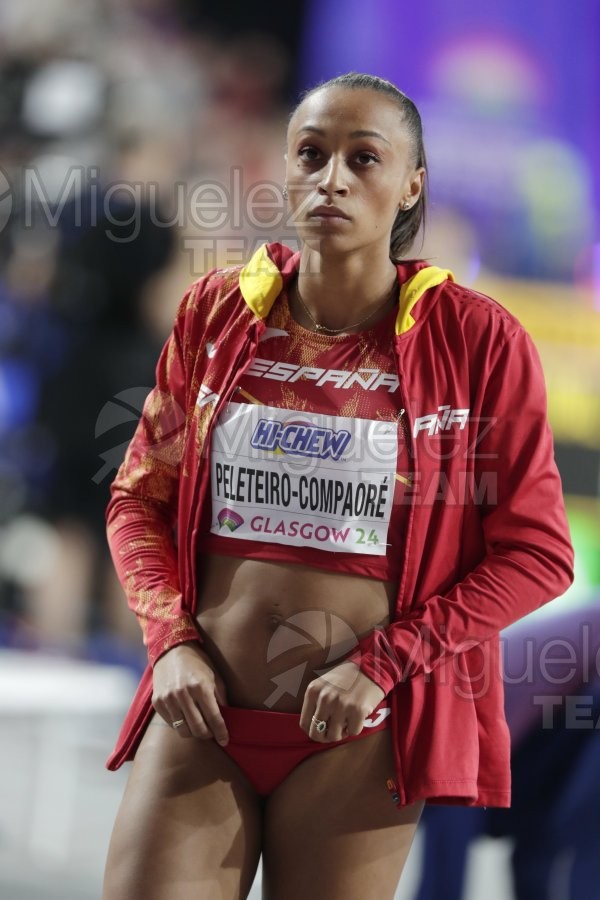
{"points": [[303, 479]]}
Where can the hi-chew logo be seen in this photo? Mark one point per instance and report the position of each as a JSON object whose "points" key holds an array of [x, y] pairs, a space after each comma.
{"points": [[300, 439]]}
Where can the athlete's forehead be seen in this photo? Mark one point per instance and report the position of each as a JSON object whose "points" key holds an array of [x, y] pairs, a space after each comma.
{"points": [[351, 112]]}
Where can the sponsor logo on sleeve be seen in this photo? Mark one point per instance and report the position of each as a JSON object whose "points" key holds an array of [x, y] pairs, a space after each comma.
{"points": [[443, 420]]}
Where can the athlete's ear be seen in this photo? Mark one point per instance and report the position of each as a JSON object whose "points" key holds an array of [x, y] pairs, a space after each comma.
{"points": [[416, 184]]}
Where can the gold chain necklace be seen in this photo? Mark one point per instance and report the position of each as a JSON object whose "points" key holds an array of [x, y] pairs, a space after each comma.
{"points": [[334, 331]]}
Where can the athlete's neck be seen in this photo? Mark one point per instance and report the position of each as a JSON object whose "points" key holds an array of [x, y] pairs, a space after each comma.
{"points": [[339, 291]]}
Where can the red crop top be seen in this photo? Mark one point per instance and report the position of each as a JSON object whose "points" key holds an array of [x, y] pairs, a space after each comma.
{"points": [[309, 461]]}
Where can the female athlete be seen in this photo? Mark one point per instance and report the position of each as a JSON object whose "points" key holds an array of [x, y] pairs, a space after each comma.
{"points": [[340, 490]]}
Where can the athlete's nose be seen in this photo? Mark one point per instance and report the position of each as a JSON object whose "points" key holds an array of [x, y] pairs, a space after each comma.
{"points": [[333, 178]]}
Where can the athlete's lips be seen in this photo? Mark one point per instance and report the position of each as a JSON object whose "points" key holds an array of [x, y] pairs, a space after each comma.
{"points": [[328, 212]]}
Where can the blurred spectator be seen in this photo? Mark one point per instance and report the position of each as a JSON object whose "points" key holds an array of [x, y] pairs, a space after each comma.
{"points": [[112, 115]]}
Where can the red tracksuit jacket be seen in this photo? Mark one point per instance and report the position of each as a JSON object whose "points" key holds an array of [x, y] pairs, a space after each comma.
{"points": [[487, 539]]}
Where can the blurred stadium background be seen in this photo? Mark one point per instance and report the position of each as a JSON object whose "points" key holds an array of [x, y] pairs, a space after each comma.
{"points": [[167, 97]]}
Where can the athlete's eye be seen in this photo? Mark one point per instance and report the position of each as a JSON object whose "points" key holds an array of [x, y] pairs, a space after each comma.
{"points": [[308, 153], [366, 158]]}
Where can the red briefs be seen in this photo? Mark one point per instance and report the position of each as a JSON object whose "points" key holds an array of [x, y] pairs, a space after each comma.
{"points": [[267, 745]]}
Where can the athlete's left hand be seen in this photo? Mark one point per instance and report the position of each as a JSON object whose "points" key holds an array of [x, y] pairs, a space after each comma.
{"points": [[343, 697]]}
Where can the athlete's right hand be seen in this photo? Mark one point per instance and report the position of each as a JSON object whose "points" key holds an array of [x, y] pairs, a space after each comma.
{"points": [[186, 686]]}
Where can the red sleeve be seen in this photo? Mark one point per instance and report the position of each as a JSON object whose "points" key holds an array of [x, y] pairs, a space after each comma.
{"points": [[529, 558], [142, 511]]}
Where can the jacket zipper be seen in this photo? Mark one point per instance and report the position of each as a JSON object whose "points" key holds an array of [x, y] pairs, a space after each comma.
{"points": [[404, 425]]}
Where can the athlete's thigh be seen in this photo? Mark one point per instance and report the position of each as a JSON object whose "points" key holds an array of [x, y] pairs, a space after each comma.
{"points": [[332, 831], [189, 825]]}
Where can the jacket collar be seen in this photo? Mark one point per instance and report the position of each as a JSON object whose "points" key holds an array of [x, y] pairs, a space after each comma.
{"points": [[271, 267]]}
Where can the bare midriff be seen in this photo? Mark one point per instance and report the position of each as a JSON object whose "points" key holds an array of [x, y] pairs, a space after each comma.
{"points": [[270, 627]]}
